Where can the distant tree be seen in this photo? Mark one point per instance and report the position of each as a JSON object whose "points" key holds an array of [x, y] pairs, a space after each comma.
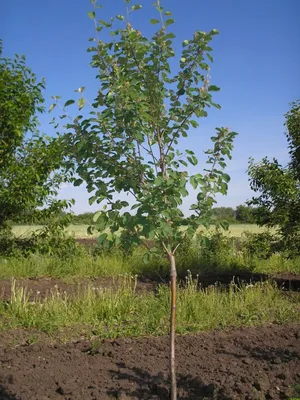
{"points": [[278, 187], [244, 214], [83, 219], [224, 214], [28, 161]]}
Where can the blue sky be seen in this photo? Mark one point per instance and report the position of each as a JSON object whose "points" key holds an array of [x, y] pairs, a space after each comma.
{"points": [[257, 58]]}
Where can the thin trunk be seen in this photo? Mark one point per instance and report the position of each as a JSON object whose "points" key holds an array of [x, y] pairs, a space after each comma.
{"points": [[173, 327]]}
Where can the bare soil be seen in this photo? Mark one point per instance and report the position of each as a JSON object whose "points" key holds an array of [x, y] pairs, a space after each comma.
{"points": [[246, 363], [44, 285]]}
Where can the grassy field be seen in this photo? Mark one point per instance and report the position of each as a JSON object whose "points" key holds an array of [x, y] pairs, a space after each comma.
{"points": [[80, 231]]}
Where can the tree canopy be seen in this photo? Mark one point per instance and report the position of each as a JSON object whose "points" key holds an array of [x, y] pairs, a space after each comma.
{"points": [[28, 161], [278, 187]]}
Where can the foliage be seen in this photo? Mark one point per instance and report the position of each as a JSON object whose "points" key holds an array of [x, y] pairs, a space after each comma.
{"points": [[217, 249], [129, 144], [50, 240], [232, 257], [224, 214], [20, 98], [114, 313], [245, 215], [84, 219], [28, 163], [278, 187], [260, 245]]}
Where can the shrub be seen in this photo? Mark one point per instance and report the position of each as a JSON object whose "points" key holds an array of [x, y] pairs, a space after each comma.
{"points": [[260, 245]]}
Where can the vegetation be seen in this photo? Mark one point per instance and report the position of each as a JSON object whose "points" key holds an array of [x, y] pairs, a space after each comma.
{"points": [[221, 255], [29, 162], [112, 313], [130, 141], [278, 188], [241, 215]]}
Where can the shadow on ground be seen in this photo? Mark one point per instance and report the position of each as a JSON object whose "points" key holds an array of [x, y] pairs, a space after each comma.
{"points": [[4, 395], [156, 387]]}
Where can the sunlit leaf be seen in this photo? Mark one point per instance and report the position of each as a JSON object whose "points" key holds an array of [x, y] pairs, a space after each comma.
{"points": [[91, 14]]}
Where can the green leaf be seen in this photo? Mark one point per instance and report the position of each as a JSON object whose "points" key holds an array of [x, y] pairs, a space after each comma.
{"points": [[69, 102], [146, 258], [181, 92], [193, 182], [96, 216], [185, 43], [78, 182], [168, 13], [205, 242], [81, 103], [154, 21], [226, 177], [158, 181], [193, 160], [136, 7], [120, 17], [53, 105], [90, 230], [91, 14], [224, 225], [169, 21], [80, 90], [213, 88], [92, 200], [102, 238]]}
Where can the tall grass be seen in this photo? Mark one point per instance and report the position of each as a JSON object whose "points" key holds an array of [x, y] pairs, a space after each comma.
{"points": [[121, 312], [115, 263]]}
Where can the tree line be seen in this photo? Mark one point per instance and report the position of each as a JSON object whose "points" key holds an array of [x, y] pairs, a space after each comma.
{"points": [[242, 214]]}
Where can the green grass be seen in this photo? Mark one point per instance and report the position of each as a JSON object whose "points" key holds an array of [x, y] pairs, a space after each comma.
{"points": [[115, 264], [114, 313], [80, 231]]}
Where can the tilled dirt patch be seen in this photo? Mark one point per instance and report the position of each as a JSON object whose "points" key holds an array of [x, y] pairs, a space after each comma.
{"points": [[246, 363]]}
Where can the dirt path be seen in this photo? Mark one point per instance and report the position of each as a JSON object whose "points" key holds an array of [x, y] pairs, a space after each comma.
{"points": [[247, 363]]}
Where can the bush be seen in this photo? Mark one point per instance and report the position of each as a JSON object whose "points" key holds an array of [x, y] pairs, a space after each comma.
{"points": [[50, 240], [260, 245], [217, 249]]}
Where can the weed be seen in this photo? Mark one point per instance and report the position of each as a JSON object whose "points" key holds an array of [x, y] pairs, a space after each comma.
{"points": [[122, 312]]}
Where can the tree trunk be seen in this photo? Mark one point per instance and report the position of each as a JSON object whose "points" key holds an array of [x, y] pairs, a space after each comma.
{"points": [[173, 275]]}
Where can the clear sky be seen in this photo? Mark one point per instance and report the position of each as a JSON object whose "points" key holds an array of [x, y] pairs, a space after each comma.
{"points": [[257, 59]]}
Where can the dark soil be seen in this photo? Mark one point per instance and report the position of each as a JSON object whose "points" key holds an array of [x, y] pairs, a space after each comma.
{"points": [[246, 363], [44, 285]]}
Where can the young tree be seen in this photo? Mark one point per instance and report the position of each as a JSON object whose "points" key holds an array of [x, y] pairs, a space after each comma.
{"points": [[129, 145], [278, 187], [27, 165]]}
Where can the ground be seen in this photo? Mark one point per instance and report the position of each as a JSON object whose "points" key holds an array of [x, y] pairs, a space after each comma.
{"points": [[246, 363], [253, 363]]}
